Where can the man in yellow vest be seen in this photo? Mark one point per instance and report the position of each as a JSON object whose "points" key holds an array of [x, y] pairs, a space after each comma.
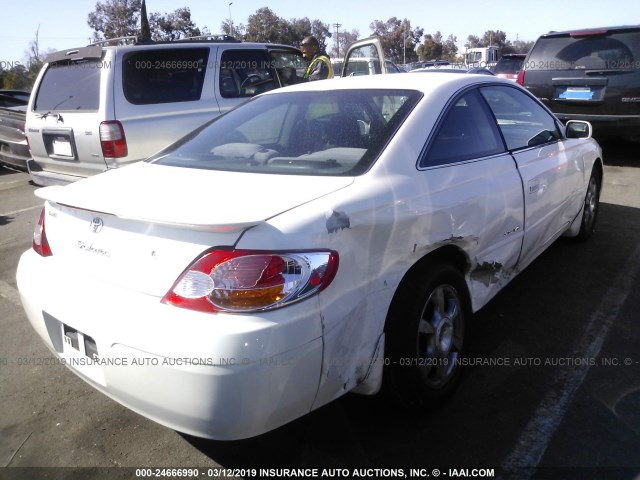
{"points": [[319, 67]]}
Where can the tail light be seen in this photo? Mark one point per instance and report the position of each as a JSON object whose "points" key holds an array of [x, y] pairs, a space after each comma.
{"points": [[251, 280], [112, 140], [520, 78], [40, 242]]}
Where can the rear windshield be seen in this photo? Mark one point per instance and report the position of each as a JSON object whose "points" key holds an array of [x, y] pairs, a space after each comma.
{"points": [[615, 51], [509, 65], [164, 76], [70, 86], [328, 133]]}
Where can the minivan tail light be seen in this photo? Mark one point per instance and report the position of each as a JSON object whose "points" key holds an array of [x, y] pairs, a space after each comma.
{"points": [[40, 243], [520, 77], [112, 140], [238, 281]]}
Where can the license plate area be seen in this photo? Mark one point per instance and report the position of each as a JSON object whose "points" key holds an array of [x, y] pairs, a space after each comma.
{"points": [[60, 143], [579, 94], [80, 352]]}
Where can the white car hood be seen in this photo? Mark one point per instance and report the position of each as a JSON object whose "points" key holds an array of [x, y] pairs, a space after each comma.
{"points": [[200, 199]]}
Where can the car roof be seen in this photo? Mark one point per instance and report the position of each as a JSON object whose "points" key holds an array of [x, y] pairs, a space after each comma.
{"points": [[445, 82], [94, 50], [592, 31]]}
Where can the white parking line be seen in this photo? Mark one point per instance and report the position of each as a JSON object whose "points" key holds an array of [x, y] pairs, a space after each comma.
{"points": [[535, 438], [8, 214]]}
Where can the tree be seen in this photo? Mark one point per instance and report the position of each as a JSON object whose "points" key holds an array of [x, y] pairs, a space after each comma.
{"points": [[17, 78], [435, 47], [520, 46], [431, 48], [145, 28], [398, 39], [115, 18], [35, 59], [237, 30], [341, 41], [173, 26], [265, 26]]}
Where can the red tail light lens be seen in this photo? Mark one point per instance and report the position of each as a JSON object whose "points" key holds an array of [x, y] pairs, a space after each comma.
{"points": [[520, 78], [248, 280], [40, 243], [112, 139]]}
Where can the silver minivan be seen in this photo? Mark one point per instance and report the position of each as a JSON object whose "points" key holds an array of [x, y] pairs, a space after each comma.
{"points": [[104, 106]]}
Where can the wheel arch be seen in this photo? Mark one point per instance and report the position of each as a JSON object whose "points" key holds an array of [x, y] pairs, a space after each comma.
{"points": [[447, 254]]}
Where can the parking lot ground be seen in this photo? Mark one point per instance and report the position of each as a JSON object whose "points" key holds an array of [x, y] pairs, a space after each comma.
{"points": [[563, 396]]}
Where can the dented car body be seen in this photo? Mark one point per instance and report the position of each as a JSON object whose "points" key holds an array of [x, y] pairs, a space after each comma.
{"points": [[320, 239]]}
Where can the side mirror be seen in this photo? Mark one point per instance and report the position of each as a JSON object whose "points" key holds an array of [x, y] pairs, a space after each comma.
{"points": [[578, 129]]}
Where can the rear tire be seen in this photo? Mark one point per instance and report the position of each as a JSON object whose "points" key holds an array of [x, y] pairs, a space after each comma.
{"points": [[425, 336]]}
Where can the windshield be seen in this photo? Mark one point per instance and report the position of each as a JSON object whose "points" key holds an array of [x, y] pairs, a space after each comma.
{"points": [[309, 133]]}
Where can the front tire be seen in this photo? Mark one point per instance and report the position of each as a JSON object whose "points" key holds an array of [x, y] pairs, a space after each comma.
{"points": [[425, 335], [591, 207]]}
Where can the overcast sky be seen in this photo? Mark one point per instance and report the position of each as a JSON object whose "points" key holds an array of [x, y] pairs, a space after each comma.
{"points": [[63, 24]]}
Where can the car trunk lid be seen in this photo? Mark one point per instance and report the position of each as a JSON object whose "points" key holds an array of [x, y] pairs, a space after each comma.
{"points": [[142, 225]]}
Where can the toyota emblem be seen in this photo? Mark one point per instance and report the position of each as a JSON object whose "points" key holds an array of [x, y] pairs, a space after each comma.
{"points": [[96, 225]]}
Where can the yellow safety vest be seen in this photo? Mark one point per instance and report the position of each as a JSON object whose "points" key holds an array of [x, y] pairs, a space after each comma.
{"points": [[320, 58]]}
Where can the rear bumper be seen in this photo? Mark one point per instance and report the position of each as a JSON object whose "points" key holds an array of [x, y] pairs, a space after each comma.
{"points": [[14, 154], [45, 179], [222, 377]]}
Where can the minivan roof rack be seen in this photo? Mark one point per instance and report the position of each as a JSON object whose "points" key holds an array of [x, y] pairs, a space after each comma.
{"points": [[115, 41]]}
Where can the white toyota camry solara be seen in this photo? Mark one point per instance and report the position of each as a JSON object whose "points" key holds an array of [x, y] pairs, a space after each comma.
{"points": [[329, 237]]}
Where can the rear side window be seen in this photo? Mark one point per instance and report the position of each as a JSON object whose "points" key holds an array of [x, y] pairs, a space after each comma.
{"points": [[611, 51], [467, 132], [245, 73], [164, 76], [70, 86]]}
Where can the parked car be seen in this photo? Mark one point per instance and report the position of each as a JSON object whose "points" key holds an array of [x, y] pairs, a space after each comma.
{"points": [[14, 151], [109, 105], [454, 69], [427, 63], [13, 98], [329, 237], [592, 75], [509, 65]]}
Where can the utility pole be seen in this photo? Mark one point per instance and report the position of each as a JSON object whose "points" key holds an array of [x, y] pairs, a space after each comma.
{"points": [[230, 21], [404, 44], [337, 25]]}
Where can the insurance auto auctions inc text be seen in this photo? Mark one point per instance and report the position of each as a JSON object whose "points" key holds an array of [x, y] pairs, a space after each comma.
{"points": [[375, 473]]}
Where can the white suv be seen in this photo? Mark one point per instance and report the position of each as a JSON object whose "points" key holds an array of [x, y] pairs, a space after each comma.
{"points": [[105, 105]]}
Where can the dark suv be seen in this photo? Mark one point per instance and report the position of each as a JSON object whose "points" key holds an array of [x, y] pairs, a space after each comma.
{"points": [[509, 65], [591, 75]]}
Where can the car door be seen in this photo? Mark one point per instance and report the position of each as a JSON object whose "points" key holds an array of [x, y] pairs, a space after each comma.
{"points": [[552, 174], [474, 194], [364, 57]]}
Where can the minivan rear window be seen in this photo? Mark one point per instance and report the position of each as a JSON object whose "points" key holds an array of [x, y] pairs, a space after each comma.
{"points": [[70, 86], [611, 51], [164, 76]]}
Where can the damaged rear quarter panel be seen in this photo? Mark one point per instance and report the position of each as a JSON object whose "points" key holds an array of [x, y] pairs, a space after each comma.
{"points": [[381, 225]]}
